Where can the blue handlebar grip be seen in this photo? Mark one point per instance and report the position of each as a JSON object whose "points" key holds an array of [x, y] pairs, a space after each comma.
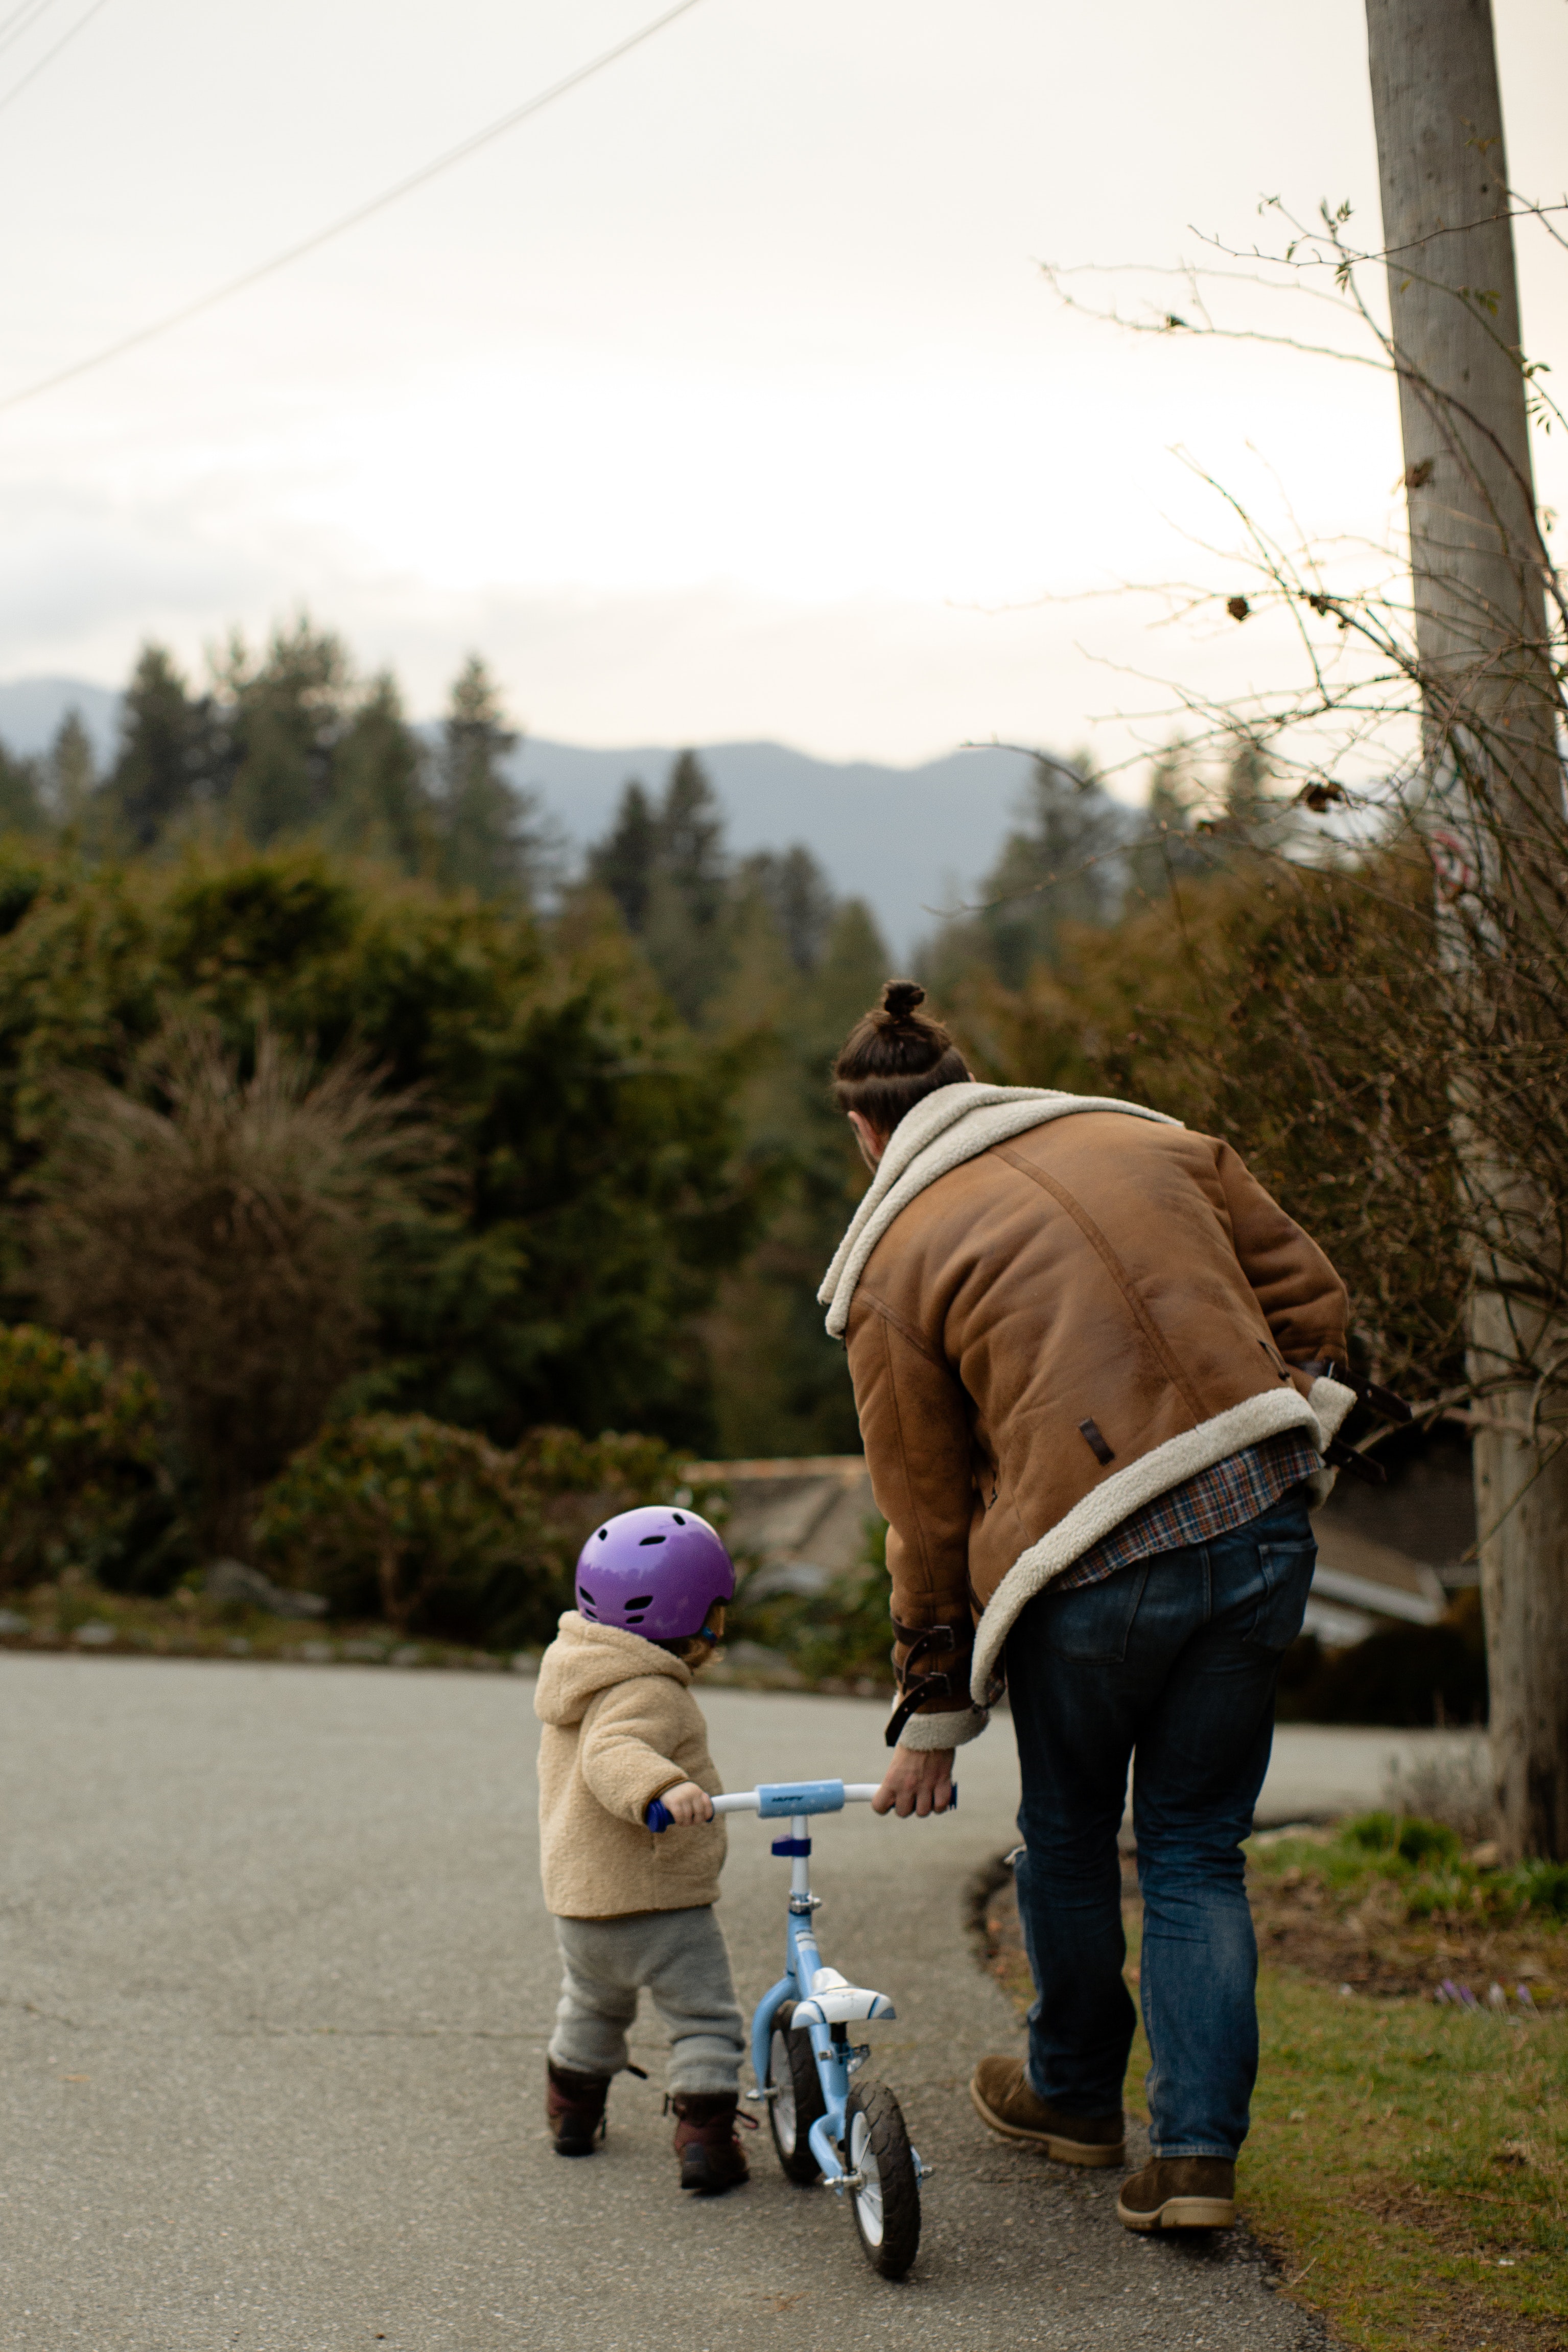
{"points": [[658, 1817], [953, 1799]]}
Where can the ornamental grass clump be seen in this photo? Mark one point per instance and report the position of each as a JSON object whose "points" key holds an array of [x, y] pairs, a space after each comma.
{"points": [[218, 1221], [78, 1447]]}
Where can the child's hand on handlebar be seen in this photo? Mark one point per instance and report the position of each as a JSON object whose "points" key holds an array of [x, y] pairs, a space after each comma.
{"points": [[686, 1804]]}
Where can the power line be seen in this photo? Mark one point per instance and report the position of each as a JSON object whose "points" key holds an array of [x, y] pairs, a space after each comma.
{"points": [[22, 20], [313, 244], [49, 54]]}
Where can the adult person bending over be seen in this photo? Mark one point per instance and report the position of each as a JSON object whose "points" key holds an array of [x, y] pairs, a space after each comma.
{"points": [[1092, 1360]]}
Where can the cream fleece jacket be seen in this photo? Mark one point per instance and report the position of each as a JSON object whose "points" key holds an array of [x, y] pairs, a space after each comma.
{"points": [[620, 1726]]}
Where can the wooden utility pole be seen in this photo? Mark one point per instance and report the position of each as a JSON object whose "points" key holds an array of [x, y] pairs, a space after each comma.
{"points": [[1480, 614]]}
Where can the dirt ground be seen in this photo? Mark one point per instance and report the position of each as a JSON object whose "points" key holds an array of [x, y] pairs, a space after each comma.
{"points": [[1369, 1947]]}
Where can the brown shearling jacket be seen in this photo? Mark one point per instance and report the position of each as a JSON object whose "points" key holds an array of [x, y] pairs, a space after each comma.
{"points": [[1053, 1333]]}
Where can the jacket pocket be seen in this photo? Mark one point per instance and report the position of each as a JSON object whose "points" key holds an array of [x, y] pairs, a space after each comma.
{"points": [[1094, 1624], [1286, 1571]]}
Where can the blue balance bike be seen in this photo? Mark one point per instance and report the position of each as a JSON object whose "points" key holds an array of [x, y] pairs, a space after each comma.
{"points": [[850, 2136]]}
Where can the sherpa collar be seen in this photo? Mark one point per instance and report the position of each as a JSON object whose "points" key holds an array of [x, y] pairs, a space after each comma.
{"points": [[955, 1124]]}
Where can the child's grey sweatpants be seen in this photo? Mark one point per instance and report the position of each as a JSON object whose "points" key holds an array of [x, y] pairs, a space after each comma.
{"points": [[682, 1957]]}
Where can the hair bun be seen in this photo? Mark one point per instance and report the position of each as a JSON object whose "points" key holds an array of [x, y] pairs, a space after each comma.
{"points": [[900, 998]]}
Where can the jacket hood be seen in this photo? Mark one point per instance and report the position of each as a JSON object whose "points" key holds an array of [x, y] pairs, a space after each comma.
{"points": [[586, 1659]]}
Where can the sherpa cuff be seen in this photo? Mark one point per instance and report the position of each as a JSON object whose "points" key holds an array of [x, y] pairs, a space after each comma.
{"points": [[923, 1731]]}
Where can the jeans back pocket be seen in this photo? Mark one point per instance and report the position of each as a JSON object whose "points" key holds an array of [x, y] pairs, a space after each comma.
{"points": [[1094, 1622], [1287, 1574]]}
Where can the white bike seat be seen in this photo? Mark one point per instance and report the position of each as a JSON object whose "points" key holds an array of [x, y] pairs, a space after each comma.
{"points": [[835, 2001]]}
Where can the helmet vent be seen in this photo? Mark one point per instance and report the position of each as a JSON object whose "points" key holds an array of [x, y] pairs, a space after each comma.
{"points": [[650, 1539], [644, 1601], [679, 1521], [583, 1594], [637, 1620]]}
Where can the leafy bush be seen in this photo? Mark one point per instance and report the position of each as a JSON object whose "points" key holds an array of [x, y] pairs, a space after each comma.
{"points": [[441, 1532], [601, 1193], [78, 1447]]}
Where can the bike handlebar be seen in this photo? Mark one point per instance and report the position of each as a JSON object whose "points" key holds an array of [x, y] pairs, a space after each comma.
{"points": [[786, 1800]]}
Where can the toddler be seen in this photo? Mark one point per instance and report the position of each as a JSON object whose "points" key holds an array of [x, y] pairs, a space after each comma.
{"points": [[622, 1728]]}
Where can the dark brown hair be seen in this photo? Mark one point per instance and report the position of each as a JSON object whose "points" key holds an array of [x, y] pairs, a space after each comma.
{"points": [[894, 1058]]}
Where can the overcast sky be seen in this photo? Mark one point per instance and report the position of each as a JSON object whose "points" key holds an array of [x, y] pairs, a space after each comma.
{"points": [[725, 398]]}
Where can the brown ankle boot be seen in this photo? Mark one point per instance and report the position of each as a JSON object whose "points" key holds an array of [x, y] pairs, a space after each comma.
{"points": [[574, 2108], [1006, 2098], [706, 2141], [1180, 2192]]}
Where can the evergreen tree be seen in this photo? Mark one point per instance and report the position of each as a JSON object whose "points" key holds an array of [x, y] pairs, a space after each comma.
{"points": [[21, 805], [691, 840], [169, 751], [625, 862], [667, 869], [1065, 863], [289, 712], [70, 771], [800, 897], [1166, 847], [489, 844], [380, 803]]}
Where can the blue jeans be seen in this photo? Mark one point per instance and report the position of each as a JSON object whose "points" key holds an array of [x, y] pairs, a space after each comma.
{"points": [[1170, 1663]]}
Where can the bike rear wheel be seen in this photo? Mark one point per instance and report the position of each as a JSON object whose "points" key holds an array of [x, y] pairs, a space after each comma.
{"points": [[887, 2202], [797, 2101]]}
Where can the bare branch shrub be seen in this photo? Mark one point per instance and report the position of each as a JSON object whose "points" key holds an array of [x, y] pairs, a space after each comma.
{"points": [[1364, 980]]}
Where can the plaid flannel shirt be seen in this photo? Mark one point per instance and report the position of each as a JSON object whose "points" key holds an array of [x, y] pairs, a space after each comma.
{"points": [[1237, 1489]]}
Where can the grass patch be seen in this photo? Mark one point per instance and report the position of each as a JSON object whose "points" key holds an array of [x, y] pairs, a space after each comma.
{"points": [[1408, 2162]]}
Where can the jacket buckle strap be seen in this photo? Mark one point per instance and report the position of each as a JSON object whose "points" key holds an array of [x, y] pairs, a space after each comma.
{"points": [[913, 1697], [1380, 1401]]}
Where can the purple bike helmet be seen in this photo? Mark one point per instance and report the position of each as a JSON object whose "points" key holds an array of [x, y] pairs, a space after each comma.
{"points": [[656, 1571]]}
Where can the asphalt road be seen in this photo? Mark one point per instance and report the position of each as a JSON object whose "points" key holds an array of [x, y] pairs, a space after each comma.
{"points": [[275, 1986]]}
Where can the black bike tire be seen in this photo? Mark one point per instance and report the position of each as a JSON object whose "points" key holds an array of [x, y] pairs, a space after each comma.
{"points": [[798, 2163], [900, 2242]]}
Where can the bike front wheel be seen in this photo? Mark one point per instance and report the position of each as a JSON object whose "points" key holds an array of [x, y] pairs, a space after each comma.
{"points": [[796, 2100], [887, 2201]]}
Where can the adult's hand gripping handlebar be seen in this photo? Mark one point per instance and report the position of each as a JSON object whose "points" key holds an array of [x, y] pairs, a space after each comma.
{"points": [[785, 1800]]}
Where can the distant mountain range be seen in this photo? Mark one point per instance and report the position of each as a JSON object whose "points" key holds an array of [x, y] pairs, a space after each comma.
{"points": [[907, 840]]}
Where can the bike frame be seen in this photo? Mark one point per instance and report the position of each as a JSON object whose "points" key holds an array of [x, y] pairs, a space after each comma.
{"points": [[837, 2059]]}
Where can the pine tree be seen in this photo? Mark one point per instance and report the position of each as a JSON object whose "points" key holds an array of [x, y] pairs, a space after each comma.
{"points": [[1065, 863], [667, 869], [690, 839], [71, 771], [380, 803], [800, 897], [625, 861], [489, 843], [289, 714], [169, 751], [21, 805]]}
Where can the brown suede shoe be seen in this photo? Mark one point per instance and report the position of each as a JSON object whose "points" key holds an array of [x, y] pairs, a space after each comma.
{"points": [[1180, 2192], [706, 2141], [1004, 2098]]}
